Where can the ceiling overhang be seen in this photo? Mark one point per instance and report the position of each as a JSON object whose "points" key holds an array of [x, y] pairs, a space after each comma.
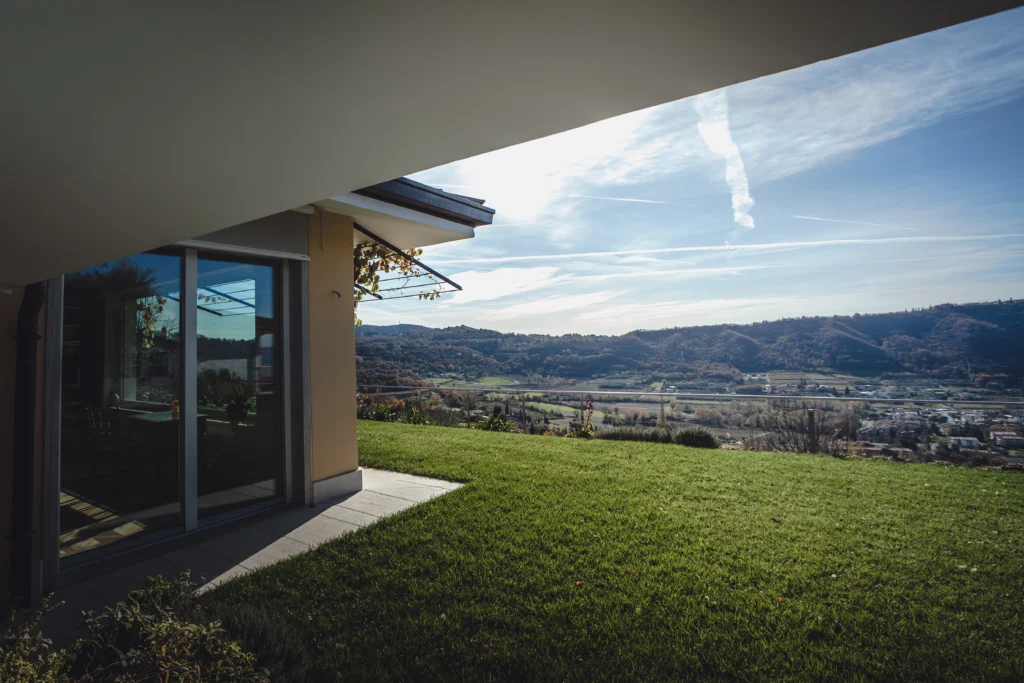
{"points": [[128, 125], [401, 226]]}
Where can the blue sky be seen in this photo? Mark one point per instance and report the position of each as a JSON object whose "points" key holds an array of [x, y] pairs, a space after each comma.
{"points": [[888, 179]]}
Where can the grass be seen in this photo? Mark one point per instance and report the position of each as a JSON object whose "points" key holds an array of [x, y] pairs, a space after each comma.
{"points": [[565, 411], [484, 382], [594, 560]]}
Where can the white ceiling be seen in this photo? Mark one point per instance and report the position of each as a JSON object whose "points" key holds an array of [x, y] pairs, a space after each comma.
{"points": [[397, 225], [128, 125]]}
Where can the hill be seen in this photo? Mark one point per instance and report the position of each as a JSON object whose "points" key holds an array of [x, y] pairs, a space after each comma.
{"points": [[946, 340]]}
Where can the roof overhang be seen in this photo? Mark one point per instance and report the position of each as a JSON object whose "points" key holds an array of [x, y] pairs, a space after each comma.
{"points": [[128, 125], [401, 226], [431, 200]]}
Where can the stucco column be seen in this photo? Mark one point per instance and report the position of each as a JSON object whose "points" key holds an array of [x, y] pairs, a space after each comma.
{"points": [[332, 361]]}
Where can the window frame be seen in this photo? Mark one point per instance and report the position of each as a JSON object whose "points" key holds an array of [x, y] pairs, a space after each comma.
{"points": [[57, 571]]}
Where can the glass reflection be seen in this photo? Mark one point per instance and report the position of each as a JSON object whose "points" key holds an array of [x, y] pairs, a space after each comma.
{"points": [[239, 413], [121, 392]]}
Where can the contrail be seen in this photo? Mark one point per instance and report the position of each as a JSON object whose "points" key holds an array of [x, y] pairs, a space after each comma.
{"points": [[575, 196], [735, 247], [627, 199], [713, 108], [839, 220]]}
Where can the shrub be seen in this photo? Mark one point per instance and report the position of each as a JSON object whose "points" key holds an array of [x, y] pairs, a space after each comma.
{"points": [[496, 422], [152, 635], [636, 434], [698, 437], [25, 655], [582, 425], [691, 436], [149, 636], [708, 416]]}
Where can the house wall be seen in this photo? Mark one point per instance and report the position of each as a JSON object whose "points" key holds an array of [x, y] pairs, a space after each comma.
{"points": [[9, 304], [332, 347]]}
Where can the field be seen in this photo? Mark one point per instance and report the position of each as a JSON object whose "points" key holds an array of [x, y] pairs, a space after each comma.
{"points": [[650, 405], [564, 559], [567, 412], [491, 381], [830, 380]]}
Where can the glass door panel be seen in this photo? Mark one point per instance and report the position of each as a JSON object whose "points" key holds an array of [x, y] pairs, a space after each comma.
{"points": [[120, 401], [240, 454]]}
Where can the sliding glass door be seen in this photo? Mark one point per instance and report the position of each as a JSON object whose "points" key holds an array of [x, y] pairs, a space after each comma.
{"points": [[239, 409], [127, 469], [120, 396]]}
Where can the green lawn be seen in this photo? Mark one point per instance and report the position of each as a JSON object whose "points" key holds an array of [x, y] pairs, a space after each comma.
{"points": [[596, 560], [485, 382]]}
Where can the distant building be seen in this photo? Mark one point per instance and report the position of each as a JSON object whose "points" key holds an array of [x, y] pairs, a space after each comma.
{"points": [[906, 424], [1008, 439], [963, 442], [876, 430], [868, 449]]}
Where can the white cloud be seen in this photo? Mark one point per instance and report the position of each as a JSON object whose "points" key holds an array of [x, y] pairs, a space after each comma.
{"points": [[627, 199], [713, 108], [501, 282], [525, 182], [846, 222], [791, 122], [678, 313], [774, 246], [650, 259], [551, 304]]}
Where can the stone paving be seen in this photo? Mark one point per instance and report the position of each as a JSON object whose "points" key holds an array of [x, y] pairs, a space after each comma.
{"points": [[258, 543]]}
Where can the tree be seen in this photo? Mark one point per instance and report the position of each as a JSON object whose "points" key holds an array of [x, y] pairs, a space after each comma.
{"points": [[373, 259], [786, 428]]}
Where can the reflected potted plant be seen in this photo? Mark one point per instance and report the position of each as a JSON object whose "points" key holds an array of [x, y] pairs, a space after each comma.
{"points": [[242, 399]]}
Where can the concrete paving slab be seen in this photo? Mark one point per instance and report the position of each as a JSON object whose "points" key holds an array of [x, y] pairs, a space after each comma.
{"points": [[280, 549], [411, 493], [321, 529], [340, 512], [375, 504], [374, 478]]}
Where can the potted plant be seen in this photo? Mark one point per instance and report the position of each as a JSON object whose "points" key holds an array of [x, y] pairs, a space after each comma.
{"points": [[242, 399]]}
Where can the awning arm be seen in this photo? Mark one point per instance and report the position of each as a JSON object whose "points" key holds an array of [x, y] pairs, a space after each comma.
{"points": [[364, 290], [404, 255]]}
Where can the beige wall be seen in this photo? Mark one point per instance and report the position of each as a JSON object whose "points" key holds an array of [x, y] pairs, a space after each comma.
{"points": [[9, 304], [332, 346]]}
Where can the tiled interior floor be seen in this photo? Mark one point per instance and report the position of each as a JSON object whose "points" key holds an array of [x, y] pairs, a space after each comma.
{"points": [[259, 543]]}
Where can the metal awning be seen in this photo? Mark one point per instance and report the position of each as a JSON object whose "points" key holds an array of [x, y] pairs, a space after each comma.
{"points": [[421, 278]]}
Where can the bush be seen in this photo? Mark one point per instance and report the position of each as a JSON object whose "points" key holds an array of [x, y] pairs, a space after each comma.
{"points": [[698, 437], [150, 636], [496, 422], [636, 434], [25, 655]]}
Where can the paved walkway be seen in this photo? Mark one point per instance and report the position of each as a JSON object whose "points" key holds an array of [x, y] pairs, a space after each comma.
{"points": [[256, 544]]}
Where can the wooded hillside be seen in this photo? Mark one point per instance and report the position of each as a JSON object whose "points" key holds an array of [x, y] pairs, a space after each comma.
{"points": [[939, 341]]}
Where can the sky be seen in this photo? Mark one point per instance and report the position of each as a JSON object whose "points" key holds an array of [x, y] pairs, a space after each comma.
{"points": [[884, 180]]}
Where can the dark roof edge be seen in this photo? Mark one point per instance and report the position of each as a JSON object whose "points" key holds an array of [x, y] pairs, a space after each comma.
{"points": [[431, 201]]}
